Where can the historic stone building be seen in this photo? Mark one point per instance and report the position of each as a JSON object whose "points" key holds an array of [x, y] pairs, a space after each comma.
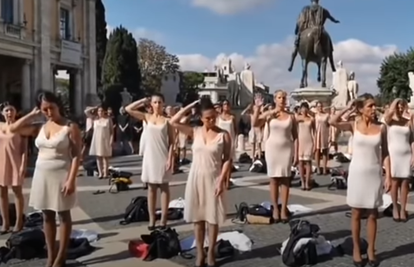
{"points": [[40, 37]]}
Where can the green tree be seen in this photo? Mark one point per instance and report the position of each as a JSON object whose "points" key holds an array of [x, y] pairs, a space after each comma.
{"points": [[120, 66], [190, 83], [393, 78], [155, 62], [101, 41]]}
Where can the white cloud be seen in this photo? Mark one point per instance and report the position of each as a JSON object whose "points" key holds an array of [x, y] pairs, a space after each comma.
{"points": [[140, 32], [229, 7], [271, 61]]}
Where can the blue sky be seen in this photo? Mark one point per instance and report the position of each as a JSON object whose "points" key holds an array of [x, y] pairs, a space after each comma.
{"points": [[259, 31]]}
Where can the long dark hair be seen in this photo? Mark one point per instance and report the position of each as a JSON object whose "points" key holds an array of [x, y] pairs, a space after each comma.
{"points": [[51, 98]]}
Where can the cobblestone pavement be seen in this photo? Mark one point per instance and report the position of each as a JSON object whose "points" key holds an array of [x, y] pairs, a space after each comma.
{"points": [[395, 244], [103, 212]]}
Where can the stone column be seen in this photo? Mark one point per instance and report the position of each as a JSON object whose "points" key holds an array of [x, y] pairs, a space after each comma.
{"points": [[91, 47], [26, 92], [44, 23], [78, 92], [214, 96]]}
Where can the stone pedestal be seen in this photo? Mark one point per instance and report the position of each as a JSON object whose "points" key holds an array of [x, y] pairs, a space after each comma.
{"points": [[310, 94], [241, 144]]}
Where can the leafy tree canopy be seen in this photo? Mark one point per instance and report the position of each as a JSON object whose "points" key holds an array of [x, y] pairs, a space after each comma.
{"points": [[393, 81], [101, 40], [121, 62], [155, 62]]}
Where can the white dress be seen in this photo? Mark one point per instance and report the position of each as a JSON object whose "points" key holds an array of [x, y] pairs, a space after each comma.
{"points": [[156, 151], [201, 204], [52, 169], [365, 182], [182, 137], [399, 148], [101, 138], [228, 126], [142, 140]]}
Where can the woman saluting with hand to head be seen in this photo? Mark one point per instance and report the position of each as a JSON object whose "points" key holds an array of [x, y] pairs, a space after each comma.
{"points": [[365, 181], [204, 192]]}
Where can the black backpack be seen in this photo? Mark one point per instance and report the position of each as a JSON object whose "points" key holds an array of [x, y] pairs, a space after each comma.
{"points": [[25, 245], [136, 211], [163, 244], [306, 255]]}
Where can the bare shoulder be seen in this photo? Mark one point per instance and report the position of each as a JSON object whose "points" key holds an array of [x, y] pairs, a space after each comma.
{"points": [[73, 127]]}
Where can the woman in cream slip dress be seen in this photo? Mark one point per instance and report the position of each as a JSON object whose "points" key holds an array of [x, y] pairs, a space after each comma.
{"points": [[333, 134], [102, 140], [157, 161], [321, 139], [227, 122], [182, 143], [13, 160], [365, 180], [280, 150], [205, 189], [306, 132], [53, 188], [255, 134], [400, 147]]}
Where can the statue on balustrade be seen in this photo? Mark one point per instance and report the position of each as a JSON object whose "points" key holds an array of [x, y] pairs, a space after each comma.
{"points": [[126, 97]]}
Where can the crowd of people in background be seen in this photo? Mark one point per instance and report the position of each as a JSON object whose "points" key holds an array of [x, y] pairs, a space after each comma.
{"points": [[382, 158]]}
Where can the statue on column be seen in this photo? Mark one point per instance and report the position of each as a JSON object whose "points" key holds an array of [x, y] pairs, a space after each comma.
{"points": [[126, 97], [247, 78], [411, 85], [353, 86], [340, 85]]}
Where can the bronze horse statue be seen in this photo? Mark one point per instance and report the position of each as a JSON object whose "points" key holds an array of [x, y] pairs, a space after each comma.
{"points": [[316, 51], [313, 43]]}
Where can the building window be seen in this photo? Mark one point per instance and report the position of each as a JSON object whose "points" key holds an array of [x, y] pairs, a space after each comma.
{"points": [[65, 24], [7, 11]]}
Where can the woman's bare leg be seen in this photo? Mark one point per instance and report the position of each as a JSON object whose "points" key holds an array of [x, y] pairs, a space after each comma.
{"points": [[4, 206], [49, 228], [65, 229], [356, 233], [152, 204], [405, 188], [105, 167], [395, 186], [199, 234], [303, 183], [212, 240], [274, 196], [372, 234], [19, 203], [308, 174], [284, 190], [99, 164], [165, 201]]}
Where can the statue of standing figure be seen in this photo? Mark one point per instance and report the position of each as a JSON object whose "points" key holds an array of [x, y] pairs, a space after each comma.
{"points": [[411, 85], [126, 97], [340, 85], [313, 43], [353, 86]]}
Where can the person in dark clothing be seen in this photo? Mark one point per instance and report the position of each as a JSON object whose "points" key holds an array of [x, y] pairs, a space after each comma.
{"points": [[124, 131]]}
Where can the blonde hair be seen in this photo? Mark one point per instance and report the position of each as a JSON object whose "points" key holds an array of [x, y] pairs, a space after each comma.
{"points": [[283, 92], [360, 101]]}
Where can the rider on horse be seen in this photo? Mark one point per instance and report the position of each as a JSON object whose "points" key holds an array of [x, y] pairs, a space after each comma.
{"points": [[313, 16]]}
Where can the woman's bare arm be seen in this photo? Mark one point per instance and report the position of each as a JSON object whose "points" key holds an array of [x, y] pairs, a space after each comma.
{"points": [[132, 109], [76, 148], [23, 125], [88, 112], [336, 120], [226, 157], [176, 119]]}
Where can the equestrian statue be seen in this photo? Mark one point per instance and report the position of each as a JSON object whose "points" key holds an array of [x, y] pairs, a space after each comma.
{"points": [[313, 42]]}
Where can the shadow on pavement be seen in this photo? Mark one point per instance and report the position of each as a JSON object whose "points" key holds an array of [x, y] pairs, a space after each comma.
{"points": [[273, 250], [112, 257], [402, 250]]}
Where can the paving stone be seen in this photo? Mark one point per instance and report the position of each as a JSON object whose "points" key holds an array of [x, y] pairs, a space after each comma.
{"points": [[108, 209], [395, 242]]}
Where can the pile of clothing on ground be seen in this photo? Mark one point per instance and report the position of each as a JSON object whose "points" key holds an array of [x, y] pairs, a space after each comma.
{"points": [[305, 246], [30, 243]]}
